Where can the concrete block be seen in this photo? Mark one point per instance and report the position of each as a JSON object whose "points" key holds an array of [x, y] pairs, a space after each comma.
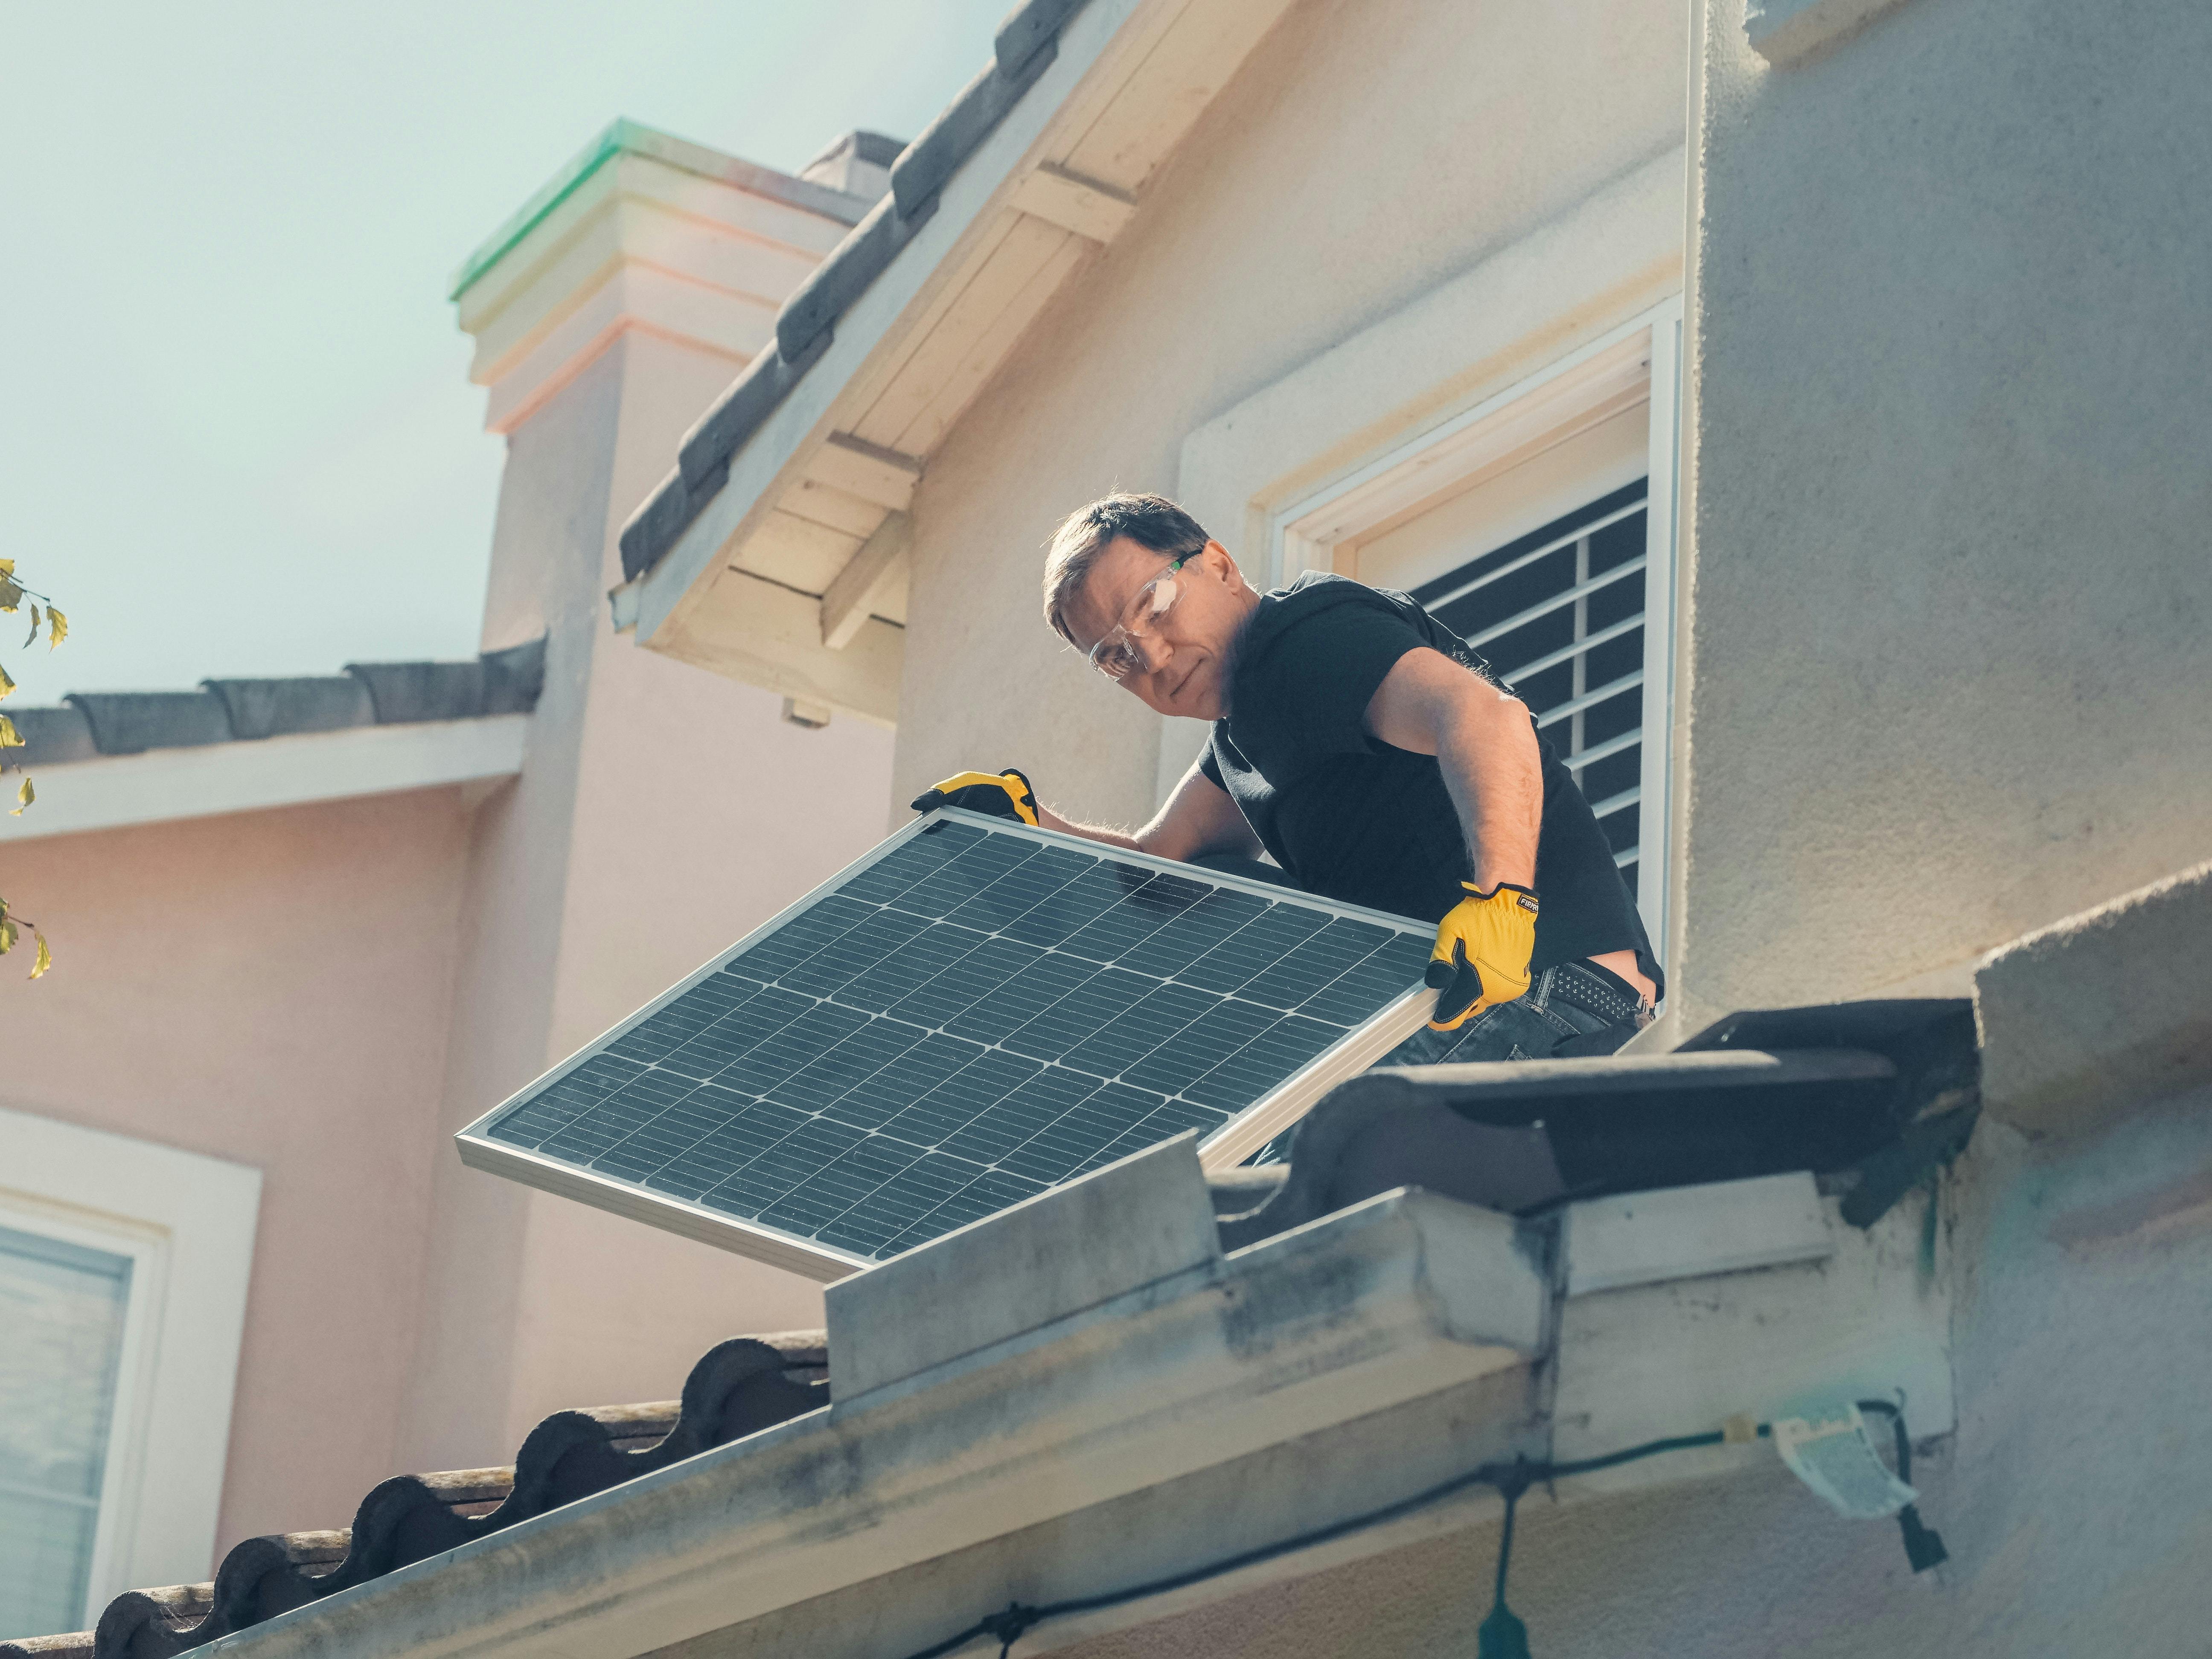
{"points": [[1116, 1230], [1684, 1232], [1782, 31], [2099, 1013]]}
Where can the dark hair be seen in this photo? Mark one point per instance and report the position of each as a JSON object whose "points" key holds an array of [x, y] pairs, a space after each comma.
{"points": [[1150, 522]]}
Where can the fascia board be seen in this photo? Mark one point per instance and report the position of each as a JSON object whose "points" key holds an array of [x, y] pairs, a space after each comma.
{"points": [[117, 790], [1333, 1325], [1869, 1319], [774, 458]]}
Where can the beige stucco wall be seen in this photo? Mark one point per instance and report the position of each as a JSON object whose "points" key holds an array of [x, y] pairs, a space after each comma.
{"points": [[1364, 154], [269, 988], [1951, 651], [663, 813]]}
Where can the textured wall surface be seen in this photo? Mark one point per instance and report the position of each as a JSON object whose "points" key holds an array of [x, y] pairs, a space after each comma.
{"points": [[1951, 649], [269, 988], [1364, 153]]}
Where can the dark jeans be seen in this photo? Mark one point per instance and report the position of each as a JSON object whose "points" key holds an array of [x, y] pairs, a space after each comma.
{"points": [[1576, 1008]]}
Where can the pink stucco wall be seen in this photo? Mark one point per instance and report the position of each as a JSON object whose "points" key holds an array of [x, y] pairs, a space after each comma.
{"points": [[272, 988]]}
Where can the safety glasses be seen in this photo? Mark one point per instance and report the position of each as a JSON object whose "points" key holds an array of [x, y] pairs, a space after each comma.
{"points": [[1116, 656]]}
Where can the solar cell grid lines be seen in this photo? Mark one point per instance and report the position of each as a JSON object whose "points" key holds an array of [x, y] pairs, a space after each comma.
{"points": [[973, 1015]]}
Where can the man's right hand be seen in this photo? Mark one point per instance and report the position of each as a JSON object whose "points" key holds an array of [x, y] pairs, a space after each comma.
{"points": [[1481, 955], [1003, 794]]}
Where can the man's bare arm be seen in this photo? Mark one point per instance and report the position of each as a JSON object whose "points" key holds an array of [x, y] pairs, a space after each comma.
{"points": [[1200, 817], [1486, 749]]}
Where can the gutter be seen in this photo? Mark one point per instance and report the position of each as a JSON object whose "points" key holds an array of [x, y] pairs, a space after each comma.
{"points": [[1019, 1419]]}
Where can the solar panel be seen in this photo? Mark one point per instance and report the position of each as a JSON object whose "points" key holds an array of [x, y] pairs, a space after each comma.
{"points": [[974, 1011]]}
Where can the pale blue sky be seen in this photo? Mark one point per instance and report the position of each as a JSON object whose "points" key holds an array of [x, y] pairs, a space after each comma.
{"points": [[236, 433]]}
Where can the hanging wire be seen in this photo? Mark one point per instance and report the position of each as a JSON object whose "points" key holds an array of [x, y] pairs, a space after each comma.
{"points": [[1510, 1480]]}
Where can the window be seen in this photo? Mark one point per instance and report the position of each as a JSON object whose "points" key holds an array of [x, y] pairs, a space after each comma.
{"points": [[123, 1267], [1539, 526], [1558, 615], [63, 1306]]}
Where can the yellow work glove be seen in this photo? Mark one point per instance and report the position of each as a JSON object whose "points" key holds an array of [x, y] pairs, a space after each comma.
{"points": [[1003, 794], [1481, 958]]}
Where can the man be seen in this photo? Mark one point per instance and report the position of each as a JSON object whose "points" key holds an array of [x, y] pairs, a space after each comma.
{"points": [[1375, 757]]}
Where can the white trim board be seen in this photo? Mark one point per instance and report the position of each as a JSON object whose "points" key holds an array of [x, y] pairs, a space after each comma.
{"points": [[116, 791], [187, 1222]]}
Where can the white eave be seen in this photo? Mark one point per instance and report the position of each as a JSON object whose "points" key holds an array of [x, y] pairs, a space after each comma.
{"points": [[116, 791], [784, 578], [1225, 1405]]}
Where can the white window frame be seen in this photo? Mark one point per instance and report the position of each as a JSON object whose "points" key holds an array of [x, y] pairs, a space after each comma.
{"points": [[1640, 359], [186, 1222]]}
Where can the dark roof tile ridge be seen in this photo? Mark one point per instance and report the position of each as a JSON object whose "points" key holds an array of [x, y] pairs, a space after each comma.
{"points": [[1026, 44], [737, 1388], [89, 725]]}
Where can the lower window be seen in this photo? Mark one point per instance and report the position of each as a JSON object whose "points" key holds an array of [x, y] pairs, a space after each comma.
{"points": [[64, 1307]]}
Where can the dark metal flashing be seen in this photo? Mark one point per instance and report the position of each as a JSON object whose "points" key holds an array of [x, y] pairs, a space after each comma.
{"points": [[737, 1388], [1026, 46], [91, 724], [1863, 1093]]}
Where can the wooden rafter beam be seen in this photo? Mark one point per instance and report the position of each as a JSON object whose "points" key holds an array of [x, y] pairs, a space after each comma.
{"points": [[847, 604]]}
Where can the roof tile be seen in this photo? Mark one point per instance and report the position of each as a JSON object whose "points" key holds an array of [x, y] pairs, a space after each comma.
{"points": [[262, 708], [1028, 30], [920, 172], [131, 723], [766, 380], [737, 1389], [840, 279], [1026, 44]]}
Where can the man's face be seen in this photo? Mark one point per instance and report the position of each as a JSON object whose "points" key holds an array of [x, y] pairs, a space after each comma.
{"points": [[1185, 652]]}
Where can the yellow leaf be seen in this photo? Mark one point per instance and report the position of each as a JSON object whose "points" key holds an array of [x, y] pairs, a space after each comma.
{"points": [[10, 595], [24, 796], [10, 737], [44, 960], [7, 936], [34, 626], [6, 685], [7, 567], [57, 628]]}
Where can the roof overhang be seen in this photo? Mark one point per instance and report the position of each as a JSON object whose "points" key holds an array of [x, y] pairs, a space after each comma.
{"points": [[765, 554], [1020, 1419], [117, 790]]}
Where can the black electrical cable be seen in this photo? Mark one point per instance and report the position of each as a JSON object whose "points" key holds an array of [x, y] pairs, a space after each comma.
{"points": [[1923, 1545], [1510, 1480]]}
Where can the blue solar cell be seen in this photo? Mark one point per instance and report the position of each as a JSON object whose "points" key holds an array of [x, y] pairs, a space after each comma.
{"points": [[971, 1018]]}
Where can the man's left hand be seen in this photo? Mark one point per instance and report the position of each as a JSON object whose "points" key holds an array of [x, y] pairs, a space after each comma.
{"points": [[1003, 794]]}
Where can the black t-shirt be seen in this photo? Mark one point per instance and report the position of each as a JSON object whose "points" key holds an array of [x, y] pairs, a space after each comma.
{"points": [[1352, 818]]}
